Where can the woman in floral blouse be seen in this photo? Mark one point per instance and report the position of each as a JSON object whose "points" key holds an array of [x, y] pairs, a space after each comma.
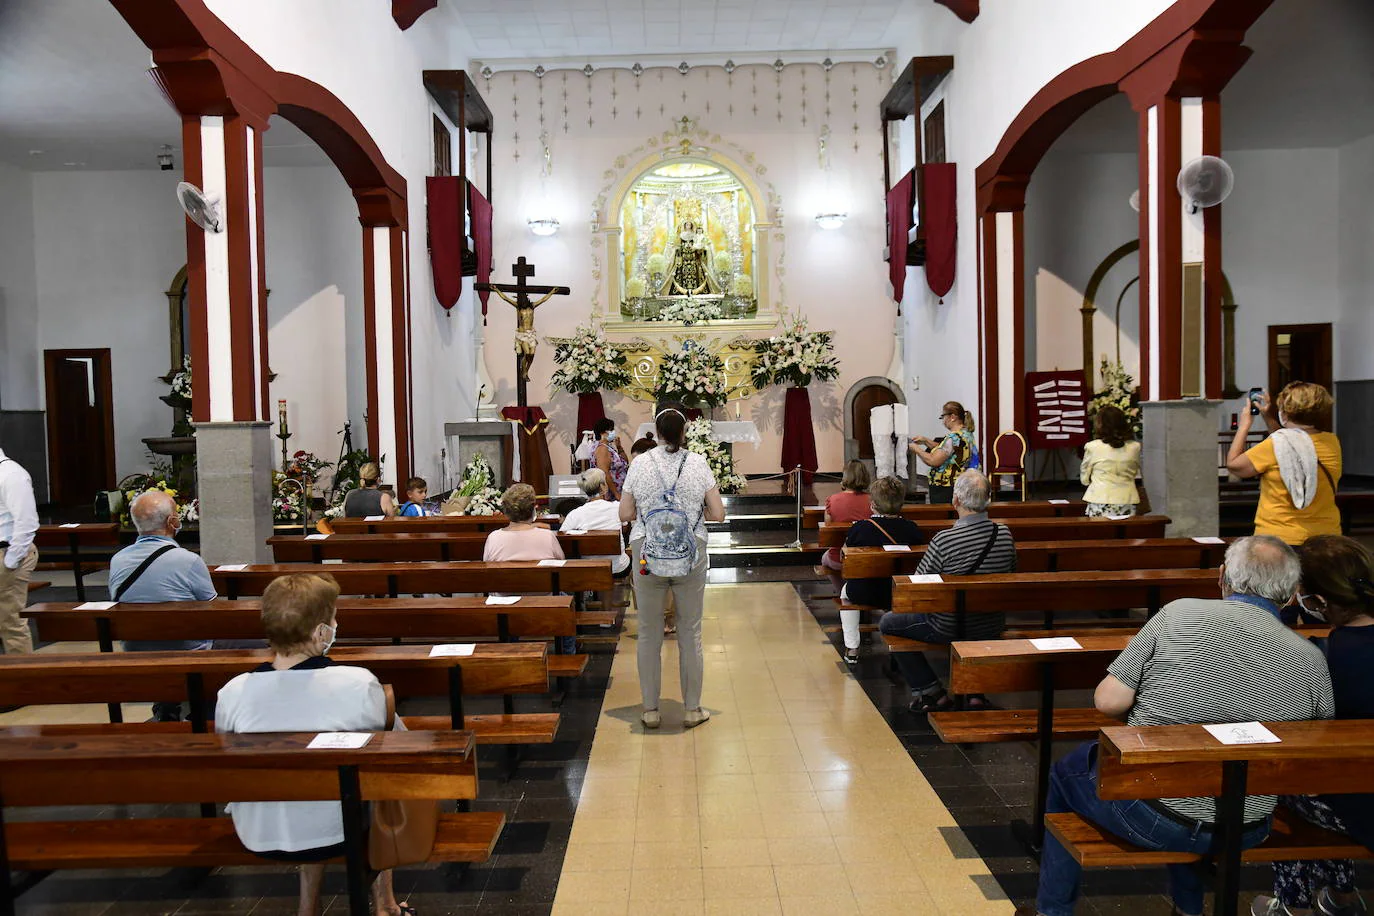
{"points": [[949, 457]]}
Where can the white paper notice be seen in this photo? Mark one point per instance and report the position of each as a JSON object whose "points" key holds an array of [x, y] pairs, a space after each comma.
{"points": [[897, 548], [552, 562], [1242, 733], [1058, 502], [452, 649], [1209, 540], [70, 525], [374, 518], [572, 531], [1054, 643], [1118, 518], [231, 567], [815, 508], [502, 599], [316, 537], [929, 579], [339, 740], [96, 605]]}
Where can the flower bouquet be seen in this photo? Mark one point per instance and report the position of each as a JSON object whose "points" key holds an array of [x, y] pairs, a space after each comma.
{"points": [[588, 362], [181, 381], [692, 376], [1119, 390], [288, 500], [475, 494], [132, 486], [796, 356], [689, 311], [306, 466], [717, 456]]}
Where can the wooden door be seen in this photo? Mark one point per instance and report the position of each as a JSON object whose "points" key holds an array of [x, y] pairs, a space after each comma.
{"points": [[1299, 353], [81, 459], [864, 402]]}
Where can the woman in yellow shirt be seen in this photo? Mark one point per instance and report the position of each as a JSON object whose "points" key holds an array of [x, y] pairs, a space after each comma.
{"points": [[1110, 465], [1298, 465]]}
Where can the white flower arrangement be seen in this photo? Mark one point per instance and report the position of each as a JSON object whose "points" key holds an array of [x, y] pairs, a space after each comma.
{"points": [[692, 376], [723, 262], [588, 362], [796, 356], [190, 512], [635, 288], [743, 287], [181, 381], [657, 263], [482, 497], [1119, 390], [717, 456], [689, 311]]}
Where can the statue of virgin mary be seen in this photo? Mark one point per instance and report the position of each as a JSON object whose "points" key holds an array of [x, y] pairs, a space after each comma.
{"points": [[690, 272]]}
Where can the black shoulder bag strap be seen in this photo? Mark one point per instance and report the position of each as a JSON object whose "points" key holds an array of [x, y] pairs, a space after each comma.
{"points": [[1329, 479], [142, 568], [881, 528], [987, 549]]}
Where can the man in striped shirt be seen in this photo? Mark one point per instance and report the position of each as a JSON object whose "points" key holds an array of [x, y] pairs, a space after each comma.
{"points": [[974, 544], [1196, 661]]}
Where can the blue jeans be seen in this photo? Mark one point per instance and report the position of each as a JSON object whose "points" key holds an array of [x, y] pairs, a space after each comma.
{"points": [[920, 677], [1073, 787]]}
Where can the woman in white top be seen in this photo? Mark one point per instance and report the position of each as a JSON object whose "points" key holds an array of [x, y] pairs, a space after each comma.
{"points": [[302, 690], [1111, 463], [670, 470], [598, 513]]}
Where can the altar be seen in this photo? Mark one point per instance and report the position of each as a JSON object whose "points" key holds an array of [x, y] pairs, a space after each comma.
{"points": [[727, 431]]}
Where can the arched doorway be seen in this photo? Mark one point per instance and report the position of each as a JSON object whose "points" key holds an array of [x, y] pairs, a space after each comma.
{"points": [[859, 401]]}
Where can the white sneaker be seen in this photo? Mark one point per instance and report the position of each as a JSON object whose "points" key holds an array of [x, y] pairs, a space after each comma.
{"points": [[695, 717], [1327, 905], [651, 718], [1264, 905]]}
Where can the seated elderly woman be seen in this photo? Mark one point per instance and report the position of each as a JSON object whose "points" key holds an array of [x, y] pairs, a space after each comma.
{"points": [[524, 539], [599, 513], [302, 690]]}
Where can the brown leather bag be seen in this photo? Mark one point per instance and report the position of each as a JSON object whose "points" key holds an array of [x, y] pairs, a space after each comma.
{"points": [[402, 831]]}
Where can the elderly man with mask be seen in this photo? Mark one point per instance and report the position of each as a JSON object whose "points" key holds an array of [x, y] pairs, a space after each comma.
{"points": [[153, 569], [1197, 661]]}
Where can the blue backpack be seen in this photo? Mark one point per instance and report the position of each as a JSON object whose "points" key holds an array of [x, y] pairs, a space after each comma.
{"points": [[670, 543]]}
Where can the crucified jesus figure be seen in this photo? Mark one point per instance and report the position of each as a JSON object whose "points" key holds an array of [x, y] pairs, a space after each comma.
{"points": [[518, 295]]}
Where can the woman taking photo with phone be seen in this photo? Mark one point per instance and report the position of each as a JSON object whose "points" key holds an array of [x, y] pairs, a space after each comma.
{"points": [[1299, 464]]}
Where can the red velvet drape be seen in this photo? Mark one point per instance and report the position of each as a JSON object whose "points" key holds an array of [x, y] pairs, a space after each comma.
{"points": [[798, 434], [481, 239], [900, 201], [445, 201], [590, 409], [535, 462], [939, 218]]}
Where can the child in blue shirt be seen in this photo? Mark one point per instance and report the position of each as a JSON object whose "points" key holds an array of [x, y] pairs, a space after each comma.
{"points": [[416, 492]]}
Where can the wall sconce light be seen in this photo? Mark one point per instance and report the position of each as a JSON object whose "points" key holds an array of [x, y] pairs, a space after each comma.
{"points": [[543, 227], [831, 220]]}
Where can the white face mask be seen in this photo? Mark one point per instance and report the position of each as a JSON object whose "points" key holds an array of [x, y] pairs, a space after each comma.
{"points": [[333, 635], [1283, 418]]}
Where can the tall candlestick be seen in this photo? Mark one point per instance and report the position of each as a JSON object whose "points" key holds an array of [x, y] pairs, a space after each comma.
{"points": [[281, 417]]}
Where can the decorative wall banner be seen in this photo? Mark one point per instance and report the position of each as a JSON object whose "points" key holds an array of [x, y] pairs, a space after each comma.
{"points": [[445, 199], [1057, 409], [900, 201], [940, 222]]}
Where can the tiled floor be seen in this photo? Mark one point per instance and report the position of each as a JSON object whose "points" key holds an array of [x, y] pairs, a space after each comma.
{"points": [[795, 798]]}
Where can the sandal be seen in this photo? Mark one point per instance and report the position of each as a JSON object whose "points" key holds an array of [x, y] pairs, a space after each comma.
{"points": [[978, 702], [405, 909], [931, 702], [851, 656]]}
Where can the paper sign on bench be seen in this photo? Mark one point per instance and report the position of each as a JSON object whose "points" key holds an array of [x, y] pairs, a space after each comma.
{"points": [[96, 605], [552, 562], [1058, 502], [814, 508], [316, 537], [1053, 643], [1209, 540], [927, 579], [339, 740], [452, 649], [374, 518], [573, 531], [70, 525], [231, 567], [1242, 733], [502, 599], [897, 548]]}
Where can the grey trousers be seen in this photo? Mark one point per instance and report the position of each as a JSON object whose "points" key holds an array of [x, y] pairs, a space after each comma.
{"points": [[651, 592]]}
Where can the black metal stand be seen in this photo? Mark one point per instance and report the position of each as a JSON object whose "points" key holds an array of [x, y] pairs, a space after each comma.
{"points": [[355, 841], [1226, 839]]}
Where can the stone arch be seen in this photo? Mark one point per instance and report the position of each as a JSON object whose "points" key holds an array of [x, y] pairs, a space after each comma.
{"points": [[853, 426]]}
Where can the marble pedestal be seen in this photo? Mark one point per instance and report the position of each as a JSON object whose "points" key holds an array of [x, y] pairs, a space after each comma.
{"points": [[234, 466], [1179, 458]]}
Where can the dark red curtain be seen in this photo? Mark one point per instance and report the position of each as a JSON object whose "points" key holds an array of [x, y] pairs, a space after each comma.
{"points": [[798, 435], [535, 462], [445, 200], [939, 219], [900, 201], [590, 409], [481, 240]]}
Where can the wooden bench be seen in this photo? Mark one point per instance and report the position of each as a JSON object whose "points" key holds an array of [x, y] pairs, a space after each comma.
{"points": [[74, 537], [1026, 530], [1055, 556], [812, 516], [36, 585], [161, 769], [1355, 508], [429, 523], [421, 578], [1186, 761], [437, 546], [493, 669]]}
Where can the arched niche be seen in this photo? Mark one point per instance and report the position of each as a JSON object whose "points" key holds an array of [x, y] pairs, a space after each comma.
{"points": [[764, 238], [856, 430]]}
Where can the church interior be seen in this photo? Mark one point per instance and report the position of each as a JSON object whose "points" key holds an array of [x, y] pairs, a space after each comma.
{"points": [[462, 262]]}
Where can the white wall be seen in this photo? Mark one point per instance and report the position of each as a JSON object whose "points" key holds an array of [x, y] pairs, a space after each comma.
{"points": [[19, 357], [1354, 342]]}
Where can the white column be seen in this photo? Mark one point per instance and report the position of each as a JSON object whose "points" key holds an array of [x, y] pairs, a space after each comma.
{"points": [[383, 334], [219, 373], [1007, 389], [1151, 196]]}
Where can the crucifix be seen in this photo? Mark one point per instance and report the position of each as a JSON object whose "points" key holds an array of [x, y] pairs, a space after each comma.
{"points": [[525, 340]]}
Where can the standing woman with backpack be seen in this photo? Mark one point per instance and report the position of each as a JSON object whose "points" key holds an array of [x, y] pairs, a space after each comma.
{"points": [[669, 496], [951, 456]]}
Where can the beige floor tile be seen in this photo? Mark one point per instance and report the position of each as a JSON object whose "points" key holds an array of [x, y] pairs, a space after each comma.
{"points": [[724, 853], [729, 805], [602, 830], [648, 907], [894, 877], [732, 826], [597, 856], [608, 805], [784, 763], [665, 854], [725, 784], [736, 881], [664, 884], [747, 906], [829, 905], [888, 904], [812, 880], [685, 830], [668, 804], [781, 823], [870, 847], [608, 887], [803, 850]]}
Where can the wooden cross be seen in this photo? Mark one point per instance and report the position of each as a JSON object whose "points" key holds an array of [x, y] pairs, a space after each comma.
{"points": [[525, 340]]}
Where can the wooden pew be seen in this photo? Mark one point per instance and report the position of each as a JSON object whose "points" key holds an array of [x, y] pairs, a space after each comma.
{"points": [[1186, 761], [430, 523], [409, 547], [493, 669], [1355, 508], [160, 769], [1025, 530], [1055, 556], [425, 578], [74, 537], [37, 585], [812, 516]]}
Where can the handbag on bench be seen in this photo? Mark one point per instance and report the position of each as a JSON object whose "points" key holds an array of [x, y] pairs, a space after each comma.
{"points": [[403, 830]]}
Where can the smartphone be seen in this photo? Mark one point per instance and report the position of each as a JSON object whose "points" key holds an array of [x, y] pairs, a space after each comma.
{"points": [[1254, 395]]}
